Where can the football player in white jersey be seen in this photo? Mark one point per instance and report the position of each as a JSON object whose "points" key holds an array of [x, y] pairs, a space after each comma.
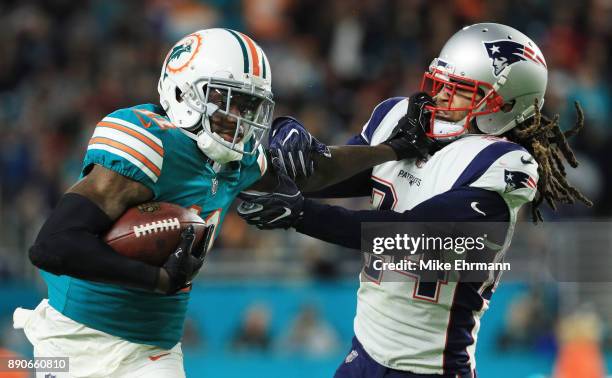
{"points": [[480, 102]]}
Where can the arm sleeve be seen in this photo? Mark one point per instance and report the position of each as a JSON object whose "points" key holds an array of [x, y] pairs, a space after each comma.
{"points": [[69, 243], [341, 226], [128, 142]]}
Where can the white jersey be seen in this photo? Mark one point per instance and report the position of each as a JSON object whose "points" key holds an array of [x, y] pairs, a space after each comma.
{"points": [[432, 329]]}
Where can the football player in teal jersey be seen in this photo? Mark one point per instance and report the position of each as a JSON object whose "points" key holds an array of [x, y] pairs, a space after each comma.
{"points": [[199, 149], [118, 317]]}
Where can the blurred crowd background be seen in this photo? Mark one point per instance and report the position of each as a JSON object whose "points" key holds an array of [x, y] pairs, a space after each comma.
{"points": [[65, 64]]}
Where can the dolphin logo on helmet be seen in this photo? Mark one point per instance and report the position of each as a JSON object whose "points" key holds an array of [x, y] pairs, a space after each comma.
{"points": [[177, 51]]}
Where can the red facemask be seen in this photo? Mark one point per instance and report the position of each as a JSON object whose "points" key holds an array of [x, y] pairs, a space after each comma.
{"points": [[437, 81]]}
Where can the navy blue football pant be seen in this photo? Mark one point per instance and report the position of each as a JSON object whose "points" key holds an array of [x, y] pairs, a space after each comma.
{"points": [[359, 364]]}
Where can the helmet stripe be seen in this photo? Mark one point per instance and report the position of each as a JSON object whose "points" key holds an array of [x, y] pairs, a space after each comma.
{"points": [[245, 55], [263, 61], [254, 56]]}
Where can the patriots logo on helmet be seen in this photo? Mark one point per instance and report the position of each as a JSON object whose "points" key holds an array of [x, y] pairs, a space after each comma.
{"points": [[504, 53], [517, 180]]}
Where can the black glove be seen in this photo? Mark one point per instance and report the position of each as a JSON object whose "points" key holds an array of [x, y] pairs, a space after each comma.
{"points": [[202, 249], [182, 265], [295, 147], [408, 139], [280, 209]]}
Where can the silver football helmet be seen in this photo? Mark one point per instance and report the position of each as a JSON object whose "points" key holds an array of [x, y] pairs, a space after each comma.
{"points": [[502, 68]]}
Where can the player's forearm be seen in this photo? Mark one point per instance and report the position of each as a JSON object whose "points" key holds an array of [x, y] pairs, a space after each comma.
{"points": [[62, 255], [337, 225], [345, 162], [341, 226], [69, 244]]}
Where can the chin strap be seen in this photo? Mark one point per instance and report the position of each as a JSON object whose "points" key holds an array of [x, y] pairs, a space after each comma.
{"points": [[211, 144], [441, 128], [213, 149]]}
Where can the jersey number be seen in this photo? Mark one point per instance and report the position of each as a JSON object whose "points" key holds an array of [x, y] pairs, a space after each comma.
{"points": [[426, 286], [383, 194]]}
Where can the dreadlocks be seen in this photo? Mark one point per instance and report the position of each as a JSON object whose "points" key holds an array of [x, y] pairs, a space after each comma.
{"points": [[543, 138]]}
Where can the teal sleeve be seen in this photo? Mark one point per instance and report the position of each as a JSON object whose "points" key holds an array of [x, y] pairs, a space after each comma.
{"points": [[117, 164], [129, 142]]}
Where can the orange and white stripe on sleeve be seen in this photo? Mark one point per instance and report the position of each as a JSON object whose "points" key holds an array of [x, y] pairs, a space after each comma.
{"points": [[131, 142]]}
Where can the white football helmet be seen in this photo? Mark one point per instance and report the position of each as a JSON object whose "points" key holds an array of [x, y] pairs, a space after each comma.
{"points": [[495, 61], [218, 74]]}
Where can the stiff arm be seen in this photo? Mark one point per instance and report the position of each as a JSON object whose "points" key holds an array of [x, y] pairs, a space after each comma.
{"points": [[344, 163]]}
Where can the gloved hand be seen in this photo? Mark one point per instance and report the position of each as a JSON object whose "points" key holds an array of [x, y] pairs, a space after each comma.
{"points": [[408, 139], [295, 147], [279, 209], [182, 265]]}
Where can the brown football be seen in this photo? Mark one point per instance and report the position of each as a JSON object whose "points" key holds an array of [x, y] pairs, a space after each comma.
{"points": [[150, 232]]}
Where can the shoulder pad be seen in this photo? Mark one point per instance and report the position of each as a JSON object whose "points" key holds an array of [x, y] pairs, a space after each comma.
{"points": [[136, 136], [380, 113], [147, 116], [513, 174]]}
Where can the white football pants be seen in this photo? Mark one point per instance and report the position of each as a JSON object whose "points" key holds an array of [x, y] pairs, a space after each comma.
{"points": [[93, 353]]}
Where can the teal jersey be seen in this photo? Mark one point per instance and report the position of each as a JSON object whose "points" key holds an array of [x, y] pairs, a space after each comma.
{"points": [[142, 144]]}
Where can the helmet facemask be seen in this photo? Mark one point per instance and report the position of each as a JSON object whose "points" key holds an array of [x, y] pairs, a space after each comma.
{"points": [[217, 100], [482, 96]]}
